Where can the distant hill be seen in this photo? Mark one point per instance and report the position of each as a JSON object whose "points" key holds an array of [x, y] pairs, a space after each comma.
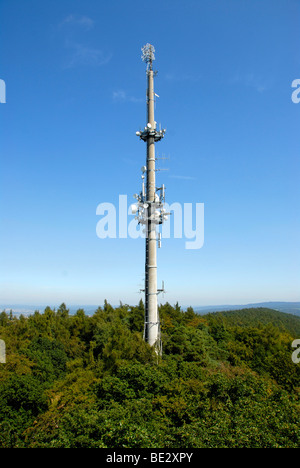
{"points": [[252, 317], [287, 307]]}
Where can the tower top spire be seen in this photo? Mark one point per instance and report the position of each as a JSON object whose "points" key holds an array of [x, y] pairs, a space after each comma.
{"points": [[148, 55]]}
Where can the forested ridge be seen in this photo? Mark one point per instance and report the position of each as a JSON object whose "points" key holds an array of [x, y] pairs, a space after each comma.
{"points": [[225, 380]]}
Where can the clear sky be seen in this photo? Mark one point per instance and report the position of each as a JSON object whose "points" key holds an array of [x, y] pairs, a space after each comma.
{"points": [[75, 96]]}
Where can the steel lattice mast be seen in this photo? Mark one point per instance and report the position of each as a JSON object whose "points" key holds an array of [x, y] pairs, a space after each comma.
{"points": [[149, 209]]}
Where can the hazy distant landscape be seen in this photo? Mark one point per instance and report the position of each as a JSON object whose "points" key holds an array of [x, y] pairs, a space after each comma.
{"points": [[287, 307]]}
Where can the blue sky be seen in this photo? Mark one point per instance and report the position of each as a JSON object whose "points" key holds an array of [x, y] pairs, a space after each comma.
{"points": [[75, 96]]}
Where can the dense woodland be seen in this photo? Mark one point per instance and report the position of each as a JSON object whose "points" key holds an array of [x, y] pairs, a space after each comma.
{"points": [[225, 380]]}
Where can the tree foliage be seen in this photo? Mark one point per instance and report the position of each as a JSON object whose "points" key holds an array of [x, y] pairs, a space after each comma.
{"points": [[79, 381]]}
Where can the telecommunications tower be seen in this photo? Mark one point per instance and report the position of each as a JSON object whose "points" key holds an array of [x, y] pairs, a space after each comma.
{"points": [[149, 209]]}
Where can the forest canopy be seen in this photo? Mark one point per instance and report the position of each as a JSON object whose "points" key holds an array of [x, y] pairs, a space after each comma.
{"points": [[224, 380]]}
